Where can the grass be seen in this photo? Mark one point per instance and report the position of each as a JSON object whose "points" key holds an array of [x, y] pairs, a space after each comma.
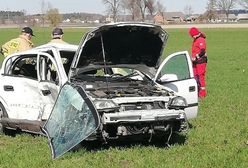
{"points": [[218, 137]]}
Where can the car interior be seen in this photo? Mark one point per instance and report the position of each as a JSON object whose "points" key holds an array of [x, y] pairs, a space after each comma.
{"points": [[25, 67]]}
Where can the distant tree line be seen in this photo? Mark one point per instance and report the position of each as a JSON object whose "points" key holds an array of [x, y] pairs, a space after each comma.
{"points": [[51, 16], [226, 7], [15, 16], [11, 14], [20, 17], [83, 16], [138, 9]]}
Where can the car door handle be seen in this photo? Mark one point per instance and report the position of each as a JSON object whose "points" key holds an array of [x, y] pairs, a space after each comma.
{"points": [[191, 88], [46, 92], [8, 88]]}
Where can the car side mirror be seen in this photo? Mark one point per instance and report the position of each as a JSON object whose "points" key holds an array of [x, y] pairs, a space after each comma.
{"points": [[168, 78]]}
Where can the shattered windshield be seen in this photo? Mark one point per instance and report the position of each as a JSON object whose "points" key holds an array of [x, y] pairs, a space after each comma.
{"points": [[73, 119]]}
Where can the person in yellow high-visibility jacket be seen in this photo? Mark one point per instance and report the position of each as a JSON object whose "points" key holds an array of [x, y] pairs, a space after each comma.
{"points": [[22, 43]]}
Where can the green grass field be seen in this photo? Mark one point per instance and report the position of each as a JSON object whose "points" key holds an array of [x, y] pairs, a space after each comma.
{"points": [[218, 137]]}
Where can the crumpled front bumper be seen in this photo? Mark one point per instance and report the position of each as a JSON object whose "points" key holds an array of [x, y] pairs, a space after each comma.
{"points": [[147, 116], [143, 116]]}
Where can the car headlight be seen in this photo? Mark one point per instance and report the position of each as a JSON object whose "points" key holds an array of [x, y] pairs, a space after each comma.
{"points": [[105, 104], [177, 103]]}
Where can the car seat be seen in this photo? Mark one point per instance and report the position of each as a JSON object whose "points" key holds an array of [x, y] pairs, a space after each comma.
{"points": [[28, 70]]}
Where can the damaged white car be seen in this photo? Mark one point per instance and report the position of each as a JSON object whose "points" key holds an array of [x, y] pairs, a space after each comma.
{"points": [[116, 88], [30, 82]]}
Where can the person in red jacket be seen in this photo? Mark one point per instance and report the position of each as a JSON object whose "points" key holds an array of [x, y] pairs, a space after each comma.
{"points": [[199, 59]]}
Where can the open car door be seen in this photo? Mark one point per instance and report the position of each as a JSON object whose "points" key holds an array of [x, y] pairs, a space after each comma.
{"points": [[72, 120], [176, 73]]}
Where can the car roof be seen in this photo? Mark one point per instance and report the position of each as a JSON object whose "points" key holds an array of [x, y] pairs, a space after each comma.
{"points": [[69, 47], [57, 45]]}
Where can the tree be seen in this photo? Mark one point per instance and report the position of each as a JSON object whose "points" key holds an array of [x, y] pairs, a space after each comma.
{"points": [[151, 6], [188, 10], [53, 16], [244, 3], [139, 7], [113, 7], [161, 9], [225, 6], [43, 12], [211, 9], [142, 5], [131, 6]]}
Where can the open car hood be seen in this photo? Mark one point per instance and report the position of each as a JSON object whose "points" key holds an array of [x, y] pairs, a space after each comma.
{"points": [[122, 43]]}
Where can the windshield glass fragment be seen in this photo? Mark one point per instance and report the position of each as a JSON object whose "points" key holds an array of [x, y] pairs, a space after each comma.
{"points": [[71, 120]]}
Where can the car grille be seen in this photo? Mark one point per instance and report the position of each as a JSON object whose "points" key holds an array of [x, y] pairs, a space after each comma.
{"points": [[143, 106]]}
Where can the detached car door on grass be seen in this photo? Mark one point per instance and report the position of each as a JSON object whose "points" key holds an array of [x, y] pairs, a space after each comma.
{"points": [[176, 73], [72, 120]]}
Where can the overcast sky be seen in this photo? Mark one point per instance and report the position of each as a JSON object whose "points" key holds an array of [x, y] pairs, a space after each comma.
{"points": [[92, 6]]}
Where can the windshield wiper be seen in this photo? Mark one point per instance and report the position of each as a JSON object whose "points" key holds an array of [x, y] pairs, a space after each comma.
{"points": [[125, 77]]}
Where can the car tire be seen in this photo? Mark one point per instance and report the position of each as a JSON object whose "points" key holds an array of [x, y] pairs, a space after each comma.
{"points": [[2, 114]]}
